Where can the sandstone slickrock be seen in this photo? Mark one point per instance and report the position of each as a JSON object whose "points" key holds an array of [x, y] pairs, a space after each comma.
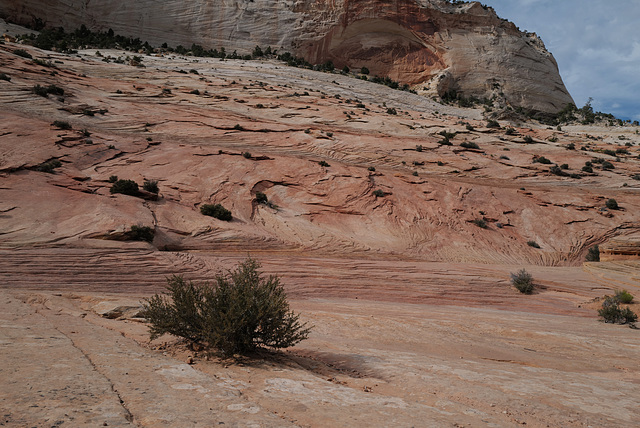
{"points": [[196, 150], [432, 45]]}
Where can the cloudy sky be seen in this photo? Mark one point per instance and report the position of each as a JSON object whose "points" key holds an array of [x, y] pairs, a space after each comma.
{"points": [[595, 42]]}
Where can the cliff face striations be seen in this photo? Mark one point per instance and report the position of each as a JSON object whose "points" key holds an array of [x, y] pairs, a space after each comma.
{"points": [[430, 44]]}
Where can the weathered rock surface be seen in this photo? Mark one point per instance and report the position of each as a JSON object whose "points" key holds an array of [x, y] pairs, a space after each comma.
{"points": [[195, 151], [430, 44], [367, 363]]}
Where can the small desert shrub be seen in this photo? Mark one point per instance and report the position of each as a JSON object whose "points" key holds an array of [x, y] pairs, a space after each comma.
{"points": [[415, 173], [447, 135], [151, 186], [419, 148], [49, 166], [392, 110], [469, 145], [470, 127], [61, 124], [126, 187], [493, 124], [593, 254], [113, 179], [329, 134], [246, 155], [528, 139], [510, 131], [533, 244], [624, 296], [22, 53], [612, 204], [51, 89], [542, 160], [261, 198], [43, 63], [5, 77], [371, 168], [242, 311], [324, 164], [606, 165], [523, 281], [141, 233], [238, 127], [480, 222], [378, 193], [611, 312], [587, 169], [216, 211], [570, 146], [195, 92]]}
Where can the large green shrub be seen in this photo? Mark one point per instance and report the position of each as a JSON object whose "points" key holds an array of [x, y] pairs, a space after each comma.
{"points": [[49, 165], [533, 244], [216, 211], [469, 145], [611, 312], [624, 296], [261, 197], [480, 222], [141, 233], [151, 186], [240, 312], [22, 53], [542, 159], [593, 255], [61, 124], [523, 281], [126, 187]]}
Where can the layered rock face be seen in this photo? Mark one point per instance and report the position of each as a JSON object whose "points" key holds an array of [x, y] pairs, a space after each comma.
{"points": [[431, 45]]}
